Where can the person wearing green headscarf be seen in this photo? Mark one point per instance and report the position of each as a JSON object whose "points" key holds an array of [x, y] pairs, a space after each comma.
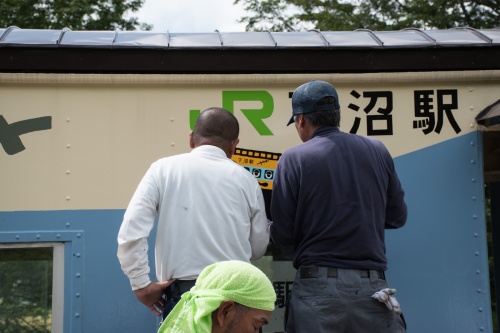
{"points": [[229, 296]]}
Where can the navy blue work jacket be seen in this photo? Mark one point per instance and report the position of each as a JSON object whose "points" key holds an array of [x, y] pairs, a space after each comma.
{"points": [[333, 197]]}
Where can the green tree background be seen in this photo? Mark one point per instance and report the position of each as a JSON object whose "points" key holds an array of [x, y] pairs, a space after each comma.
{"points": [[377, 15], [72, 14], [491, 262], [26, 290]]}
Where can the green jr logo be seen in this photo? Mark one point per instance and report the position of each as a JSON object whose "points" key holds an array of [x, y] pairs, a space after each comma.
{"points": [[254, 116]]}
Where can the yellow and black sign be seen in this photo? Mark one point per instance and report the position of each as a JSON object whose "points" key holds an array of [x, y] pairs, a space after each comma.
{"points": [[262, 165]]}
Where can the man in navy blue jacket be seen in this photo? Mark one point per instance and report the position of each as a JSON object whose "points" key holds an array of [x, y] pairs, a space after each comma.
{"points": [[333, 197]]}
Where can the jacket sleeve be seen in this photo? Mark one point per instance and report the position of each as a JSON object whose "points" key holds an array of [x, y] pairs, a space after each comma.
{"points": [[284, 206], [259, 232], [396, 209], [136, 226]]}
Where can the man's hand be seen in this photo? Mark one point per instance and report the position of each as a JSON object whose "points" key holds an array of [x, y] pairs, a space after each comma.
{"points": [[152, 296]]}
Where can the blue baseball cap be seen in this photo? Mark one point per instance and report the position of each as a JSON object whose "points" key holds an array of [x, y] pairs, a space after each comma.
{"points": [[306, 97]]}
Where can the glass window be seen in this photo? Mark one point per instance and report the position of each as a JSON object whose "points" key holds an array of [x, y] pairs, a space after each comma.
{"points": [[26, 287]]}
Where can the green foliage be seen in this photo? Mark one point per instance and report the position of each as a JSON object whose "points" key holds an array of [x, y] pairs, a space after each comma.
{"points": [[25, 290], [348, 15], [491, 262], [72, 14]]}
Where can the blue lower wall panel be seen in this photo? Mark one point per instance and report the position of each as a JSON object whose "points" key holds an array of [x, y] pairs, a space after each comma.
{"points": [[108, 303], [438, 262]]}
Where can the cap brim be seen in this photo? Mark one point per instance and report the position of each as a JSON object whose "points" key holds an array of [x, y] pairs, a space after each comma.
{"points": [[291, 121]]}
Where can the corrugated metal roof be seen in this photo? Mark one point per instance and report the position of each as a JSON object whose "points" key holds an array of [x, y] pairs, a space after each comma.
{"points": [[406, 38]]}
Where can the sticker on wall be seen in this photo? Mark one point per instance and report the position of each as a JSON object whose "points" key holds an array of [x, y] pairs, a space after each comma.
{"points": [[262, 165]]}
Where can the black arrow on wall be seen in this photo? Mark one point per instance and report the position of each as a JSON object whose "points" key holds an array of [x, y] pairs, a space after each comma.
{"points": [[10, 133]]}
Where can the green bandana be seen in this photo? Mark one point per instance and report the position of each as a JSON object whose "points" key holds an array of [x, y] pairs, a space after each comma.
{"points": [[233, 280]]}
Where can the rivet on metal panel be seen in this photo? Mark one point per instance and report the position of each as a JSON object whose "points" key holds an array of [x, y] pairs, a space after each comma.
{"points": [[68, 146], [78, 235], [473, 180], [78, 275], [471, 125], [37, 236], [68, 224], [471, 107], [172, 144], [77, 315], [472, 161], [481, 328], [58, 235], [68, 198], [476, 234], [472, 143], [476, 253], [17, 237], [77, 294], [171, 119], [474, 216], [478, 271], [474, 198], [480, 309], [68, 120], [68, 172], [78, 255], [479, 291], [471, 89]]}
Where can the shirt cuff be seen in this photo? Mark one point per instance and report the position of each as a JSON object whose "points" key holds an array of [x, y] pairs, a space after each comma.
{"points": [[140, 282]]}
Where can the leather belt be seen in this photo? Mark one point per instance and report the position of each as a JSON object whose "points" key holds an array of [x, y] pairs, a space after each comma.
{"points": [[179, 287], [308, 272]]}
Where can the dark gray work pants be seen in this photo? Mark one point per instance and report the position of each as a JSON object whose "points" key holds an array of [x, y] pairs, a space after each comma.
{"points": [[341, 304]]}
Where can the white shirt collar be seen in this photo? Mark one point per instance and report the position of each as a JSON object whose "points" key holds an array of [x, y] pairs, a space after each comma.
{"points": [[209, 150]]}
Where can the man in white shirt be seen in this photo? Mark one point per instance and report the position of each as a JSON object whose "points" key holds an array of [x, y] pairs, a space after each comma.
{"points": [[209, 209]]}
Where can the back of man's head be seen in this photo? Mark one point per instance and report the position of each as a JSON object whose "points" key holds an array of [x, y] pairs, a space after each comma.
{"points": [[216, 126], [318, 101]]}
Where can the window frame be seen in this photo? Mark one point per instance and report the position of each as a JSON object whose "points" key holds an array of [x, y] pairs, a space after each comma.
{"points": [[67, 303], [57, 277]]}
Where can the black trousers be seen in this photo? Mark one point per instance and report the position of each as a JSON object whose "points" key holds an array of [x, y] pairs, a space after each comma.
{"points": [[173, 294]]}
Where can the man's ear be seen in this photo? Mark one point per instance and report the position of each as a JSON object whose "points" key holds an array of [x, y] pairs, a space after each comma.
{"points": [[235, 142], [232, 147], [225, 313], [300, 120], [191, 140]]}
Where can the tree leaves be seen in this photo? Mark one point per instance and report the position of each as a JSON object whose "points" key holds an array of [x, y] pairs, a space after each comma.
{"points": [[338, 15], [72, 14]]}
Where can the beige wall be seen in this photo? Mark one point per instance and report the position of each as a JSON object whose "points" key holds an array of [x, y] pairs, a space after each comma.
{"points": [[107, 129]]}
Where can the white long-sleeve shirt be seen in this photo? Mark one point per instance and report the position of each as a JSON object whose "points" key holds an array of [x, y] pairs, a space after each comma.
{"points": [[209, 209]]}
